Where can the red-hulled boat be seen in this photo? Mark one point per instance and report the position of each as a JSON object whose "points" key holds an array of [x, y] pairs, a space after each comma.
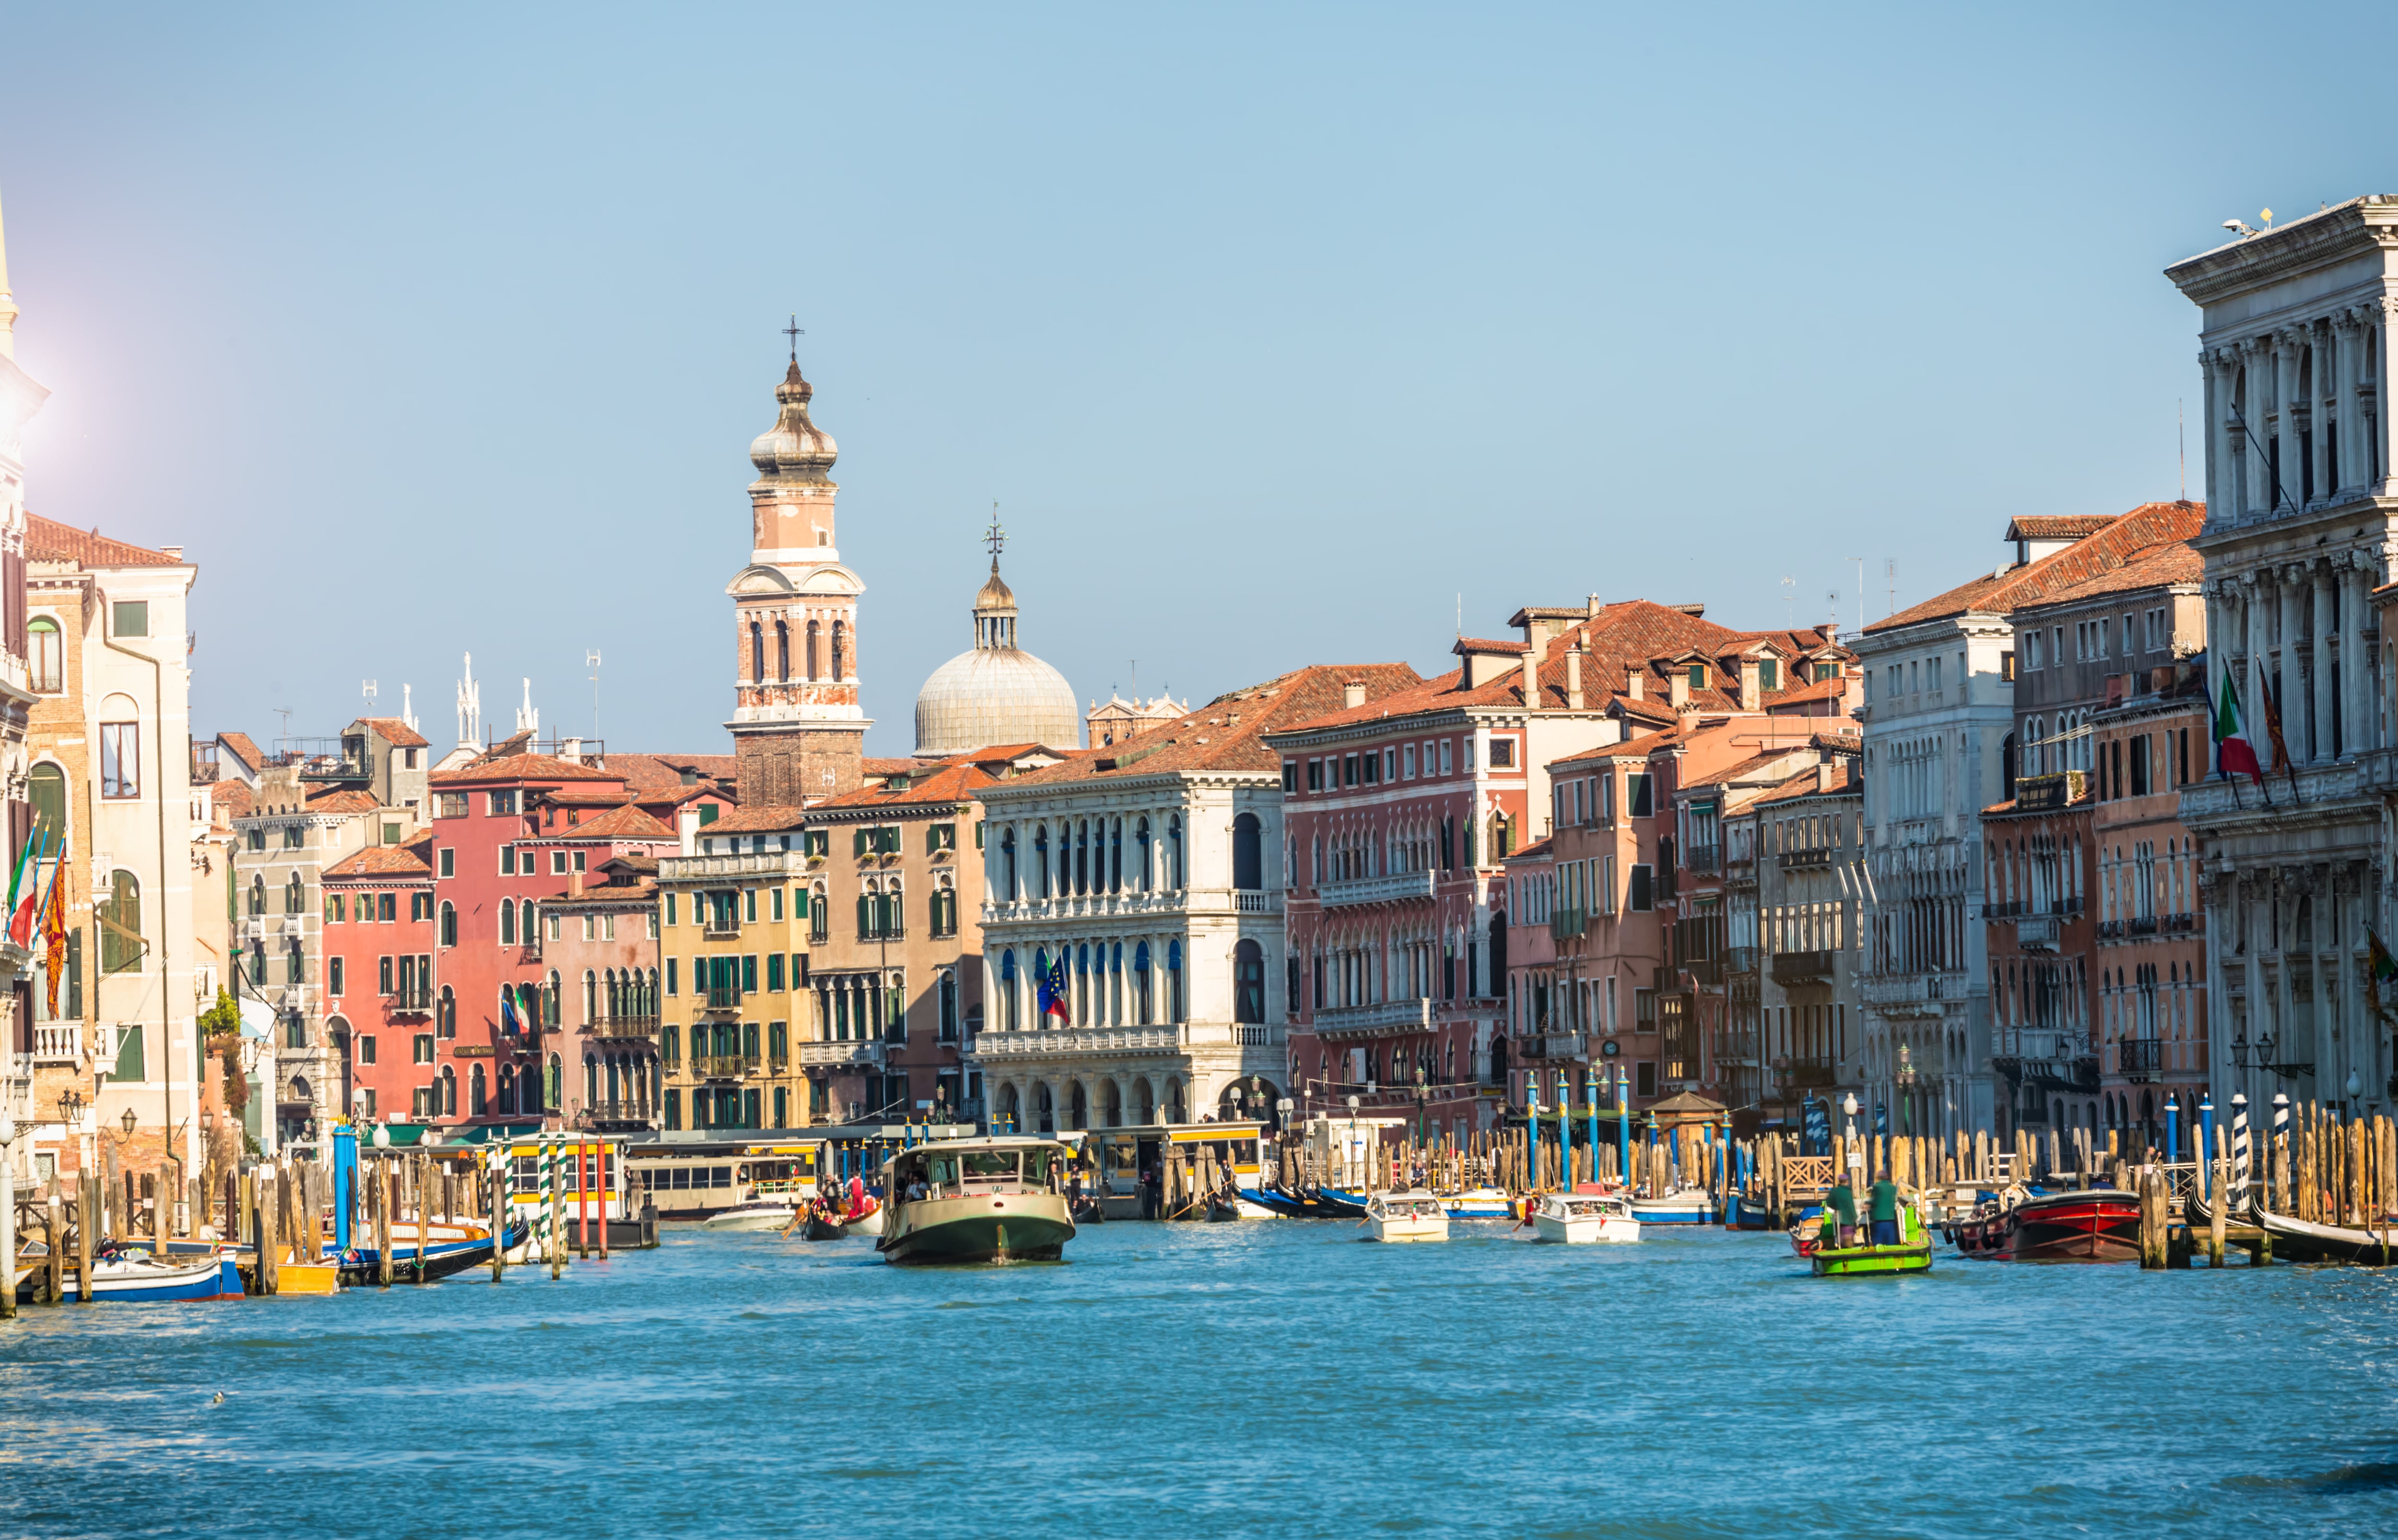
{"points": [[2099, 1225]]}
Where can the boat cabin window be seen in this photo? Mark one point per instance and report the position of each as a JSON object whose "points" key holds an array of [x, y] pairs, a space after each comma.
{"points": [[989, 1168]]}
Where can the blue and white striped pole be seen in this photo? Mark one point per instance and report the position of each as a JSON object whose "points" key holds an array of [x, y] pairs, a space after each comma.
{"points": [[2280, 1122], [2239, 1143], [1590, 1084]]}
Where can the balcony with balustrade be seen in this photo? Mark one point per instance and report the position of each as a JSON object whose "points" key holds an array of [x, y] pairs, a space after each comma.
{"points": [[2138, 1059], [624, 1029], [840, 1054], [57, 1042], [721, 1067], [1078, 1042], [1390, 887], [1335, 1023], [720, 999], [1135, 905]]}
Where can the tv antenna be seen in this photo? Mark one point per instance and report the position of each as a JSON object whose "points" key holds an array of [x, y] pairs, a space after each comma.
{"points": [[1789, 587], [367, 688], [591, 662], [285, 712]]}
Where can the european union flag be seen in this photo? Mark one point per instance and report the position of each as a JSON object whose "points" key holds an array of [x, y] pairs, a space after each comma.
{"points": [[1053, 992]]}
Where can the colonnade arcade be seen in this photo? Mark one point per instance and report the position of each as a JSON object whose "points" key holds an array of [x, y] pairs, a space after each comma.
{"points": [[1047, 1102], [2301, 627]]}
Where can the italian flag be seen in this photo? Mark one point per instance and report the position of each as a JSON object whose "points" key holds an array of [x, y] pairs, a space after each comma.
{"points": [[2232, 755]]}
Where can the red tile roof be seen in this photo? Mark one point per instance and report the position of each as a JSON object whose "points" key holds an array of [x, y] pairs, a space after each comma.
{"points": [[2169, 562], [342, 800], [890, 767], [386, 860], [1226, 733], [1630, 748], [2057, 526], [1539, 849], [518, 767], [765, 819], [399, 734], [2011, 588], [1803, 784], [232, 798], [48, 541], [239, 742], [626, 823], [947, 781]]}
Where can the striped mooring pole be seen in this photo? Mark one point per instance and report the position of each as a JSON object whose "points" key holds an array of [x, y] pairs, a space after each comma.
{"points": [[2240, 1142], [2281, 1120], [548, 1184]]}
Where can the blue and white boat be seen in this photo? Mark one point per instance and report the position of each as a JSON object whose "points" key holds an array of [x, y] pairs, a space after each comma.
{"points": [[1681, 1206], [129, 1274], [452, 1247], [1478, 1203]]}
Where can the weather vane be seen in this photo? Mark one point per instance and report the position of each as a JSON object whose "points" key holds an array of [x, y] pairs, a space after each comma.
{"points": [[795, 331], [995, 537]]}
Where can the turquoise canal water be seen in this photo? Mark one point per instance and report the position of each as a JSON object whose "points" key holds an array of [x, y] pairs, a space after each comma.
{"points": [[1265, 1378]]}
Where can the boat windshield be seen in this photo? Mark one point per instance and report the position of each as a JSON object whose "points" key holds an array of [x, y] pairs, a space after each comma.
{"points": [[987, 1169], [1415, 1208]]}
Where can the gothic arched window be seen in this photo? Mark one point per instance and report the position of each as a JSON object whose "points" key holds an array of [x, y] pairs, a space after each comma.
{"points": [[813, 637], [757, 653], [508, 922], [783, 651]]}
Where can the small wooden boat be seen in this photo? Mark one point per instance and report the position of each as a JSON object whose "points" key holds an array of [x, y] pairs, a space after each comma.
{"points": [[448, 1246], [1581, 1219], [2297, 1240], [1745, 1212], [1681, 1206], [1407, 1216], [990, 1199], [1478, 1203]]}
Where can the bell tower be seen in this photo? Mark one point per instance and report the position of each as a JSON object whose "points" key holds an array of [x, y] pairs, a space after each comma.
{"points": [[799, 732]]}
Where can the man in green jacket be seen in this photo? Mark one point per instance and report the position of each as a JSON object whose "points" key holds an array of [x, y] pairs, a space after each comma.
{"points": [[1884, 1210], [1841, 1201]]}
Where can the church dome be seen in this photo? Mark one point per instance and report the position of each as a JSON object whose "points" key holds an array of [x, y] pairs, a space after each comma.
{"points": [[990, 695], [995, 693]]}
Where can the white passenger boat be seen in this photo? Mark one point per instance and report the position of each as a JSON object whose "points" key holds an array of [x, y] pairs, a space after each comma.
{"points": [[1477, 1203], [773, 1211], [1407, 1216], [1578, 1219]]}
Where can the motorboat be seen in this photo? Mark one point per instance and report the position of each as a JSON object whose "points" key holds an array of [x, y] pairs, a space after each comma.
{"points": [[2102, 1224], [1677, 1206], [1409, 1215], [1000, 1198], [774, 1213], [446, 1247], [128, 1273], [1578, 1219], [1478, 1203], [1911, 1255]]}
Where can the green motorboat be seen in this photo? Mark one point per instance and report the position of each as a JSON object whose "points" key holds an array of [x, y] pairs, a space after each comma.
{"points": [[1912, 1254]]}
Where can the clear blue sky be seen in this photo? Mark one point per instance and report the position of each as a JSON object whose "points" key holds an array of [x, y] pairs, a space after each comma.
{"points": [[1273, 330]]}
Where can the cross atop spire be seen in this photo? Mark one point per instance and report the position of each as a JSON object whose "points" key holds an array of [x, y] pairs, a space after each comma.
{"points": [[795, 331], [995, 537]]}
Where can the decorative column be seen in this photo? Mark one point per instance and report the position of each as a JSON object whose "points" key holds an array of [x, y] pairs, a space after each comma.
{"points": [[2222, 365], [2347, 436], [2383, 431], [2328, 606], [2256, 494], [2291, 691], [2289, 347], [2319, 409], [2359, 726], [2257, 587]]}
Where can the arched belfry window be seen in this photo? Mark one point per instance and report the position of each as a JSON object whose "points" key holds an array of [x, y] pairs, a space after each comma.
{"points": [[840, 665], [815, 636], [757, 653], [783, 651]]}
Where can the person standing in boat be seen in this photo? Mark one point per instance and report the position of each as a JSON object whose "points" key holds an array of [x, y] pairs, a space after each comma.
{"points": [[1883, 1209], [1841, 1204]]}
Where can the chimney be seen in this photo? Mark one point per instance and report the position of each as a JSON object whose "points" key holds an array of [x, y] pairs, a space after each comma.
{"points": [[1634, 683], [1535, 697], [571, 751], [1574, 678], [687, 826], [1749, 694], [1594, 607], [575, 885], [1824, 775], [1352, 694], [1678, 687]]}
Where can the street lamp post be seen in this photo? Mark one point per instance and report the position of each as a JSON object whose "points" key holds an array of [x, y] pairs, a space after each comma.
{"points": [[1856, 1155]]}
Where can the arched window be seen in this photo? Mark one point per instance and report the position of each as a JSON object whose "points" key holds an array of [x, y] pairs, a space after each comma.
{"points": [[1040, 857], [257, 894], [1173, 852], [557, 1082], [449, 1092], [1140, 982], [477, 1103], [783, 651], [448, 924], [552, 1000], [45, 787], [42, 637], [757, 653], [294, 894], [446, 1020], [1140, 855], [295, 963], [840, 663], [1174, 982], [119, 914], [1248, 856], [813, 654], [1007, 989], [590, 996], [507, 1102], [1082, 855], [1249, 982], [508, 922]]}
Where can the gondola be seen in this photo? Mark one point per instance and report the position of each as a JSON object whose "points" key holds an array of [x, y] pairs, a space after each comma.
{"points": [[2297, 1240]]}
